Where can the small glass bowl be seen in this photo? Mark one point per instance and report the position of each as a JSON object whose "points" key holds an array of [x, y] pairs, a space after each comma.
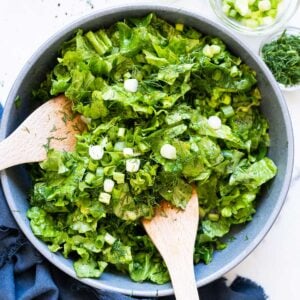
{"points": [[286, 10], [289, 31]]}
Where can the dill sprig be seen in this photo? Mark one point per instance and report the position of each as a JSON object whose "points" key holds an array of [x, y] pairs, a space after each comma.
{"points": [[282, 56]]}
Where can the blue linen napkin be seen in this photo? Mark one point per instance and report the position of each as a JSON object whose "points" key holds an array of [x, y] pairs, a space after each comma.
{"points": [[26, 275]]}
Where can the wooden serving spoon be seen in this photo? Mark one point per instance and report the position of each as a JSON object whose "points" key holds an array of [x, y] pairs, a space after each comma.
{"points": [[173, 231], [51, 125]]}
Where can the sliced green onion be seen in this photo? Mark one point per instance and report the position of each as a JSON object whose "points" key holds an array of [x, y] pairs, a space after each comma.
{"points": [[228, 111]]}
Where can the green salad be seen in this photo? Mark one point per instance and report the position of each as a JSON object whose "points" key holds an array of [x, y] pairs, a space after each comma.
{"points": [[165, 107]]}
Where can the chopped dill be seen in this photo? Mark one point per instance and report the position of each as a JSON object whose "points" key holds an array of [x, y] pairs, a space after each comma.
{"points": [[65, 117], [26, 129], [76, 127], [17, 102], [282, 56], [59, 138], [53, 129], [47, 145], [231, 238]]}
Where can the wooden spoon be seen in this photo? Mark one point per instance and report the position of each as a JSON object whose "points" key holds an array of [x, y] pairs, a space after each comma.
{"points": [[51, 125], [173, 232]]}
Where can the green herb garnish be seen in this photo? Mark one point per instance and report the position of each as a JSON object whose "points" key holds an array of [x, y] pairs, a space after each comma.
{"points": [[282, 56], [17, 102], [53, 129], [26, 129]]}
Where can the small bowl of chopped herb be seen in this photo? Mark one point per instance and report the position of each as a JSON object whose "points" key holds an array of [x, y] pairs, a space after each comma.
{"points": [[255, 17], [281, 53]]}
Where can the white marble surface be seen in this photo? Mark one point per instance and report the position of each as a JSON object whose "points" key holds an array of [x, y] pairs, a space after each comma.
{"points": [[25, 25]]}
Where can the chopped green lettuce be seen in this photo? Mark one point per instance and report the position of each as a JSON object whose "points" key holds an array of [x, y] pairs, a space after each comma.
{"points": [[89, 205]]}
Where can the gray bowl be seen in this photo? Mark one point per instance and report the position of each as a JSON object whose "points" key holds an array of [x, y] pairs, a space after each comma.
{"points": [[16, 180]]}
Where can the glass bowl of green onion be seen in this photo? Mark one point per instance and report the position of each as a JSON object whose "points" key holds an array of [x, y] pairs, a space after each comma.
{"points": [[255, 17], [281, 53]]}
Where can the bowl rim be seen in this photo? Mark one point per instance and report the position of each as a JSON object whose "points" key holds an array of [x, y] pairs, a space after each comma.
{"points": [[96, 283]]}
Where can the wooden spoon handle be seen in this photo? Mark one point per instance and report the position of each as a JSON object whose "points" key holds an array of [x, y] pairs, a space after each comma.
{"points": [[19, 148], [183, 278], [173, 232]]}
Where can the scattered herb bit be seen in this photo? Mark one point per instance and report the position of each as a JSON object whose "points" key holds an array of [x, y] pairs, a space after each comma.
{"points": [[47, 145], [59, 138], [282, 56], [26, 129], [246, 238], [65, 117], [17, 102], [231, 239], [77, 127], [89, 2], [53, 128], [183, 78]]}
